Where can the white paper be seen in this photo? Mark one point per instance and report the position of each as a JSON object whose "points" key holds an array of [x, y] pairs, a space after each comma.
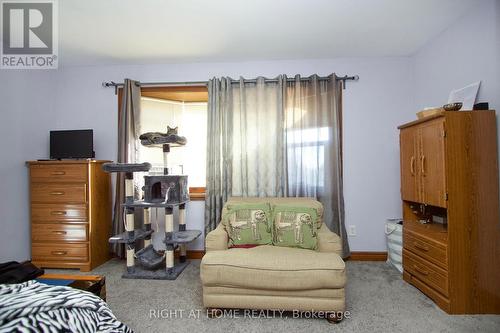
{"points": [[466, 95]]}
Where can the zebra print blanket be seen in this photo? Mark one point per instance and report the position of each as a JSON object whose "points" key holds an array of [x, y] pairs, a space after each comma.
{"points": [[37, 307]]}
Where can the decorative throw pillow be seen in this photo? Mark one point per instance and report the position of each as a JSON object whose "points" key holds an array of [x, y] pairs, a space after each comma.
{"points": [[248, 224], [295, 227], [303, 202]]}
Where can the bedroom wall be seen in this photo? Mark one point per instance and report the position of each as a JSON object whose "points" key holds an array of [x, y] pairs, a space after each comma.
{"points": [[468, 51], [27, 115], [373, 107]]}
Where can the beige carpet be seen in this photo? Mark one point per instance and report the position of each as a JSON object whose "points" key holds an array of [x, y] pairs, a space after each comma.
{"points": [[377, 298]]}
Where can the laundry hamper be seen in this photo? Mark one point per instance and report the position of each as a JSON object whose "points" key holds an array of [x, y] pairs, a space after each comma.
{"points": [[394, 233]]}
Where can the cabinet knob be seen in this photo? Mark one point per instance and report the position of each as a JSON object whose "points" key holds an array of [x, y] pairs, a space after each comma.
{"points": [[58, 212], [59, 253], [59, 232]]}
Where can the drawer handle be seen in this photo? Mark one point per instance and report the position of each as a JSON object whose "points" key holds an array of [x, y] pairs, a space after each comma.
{"points": [[59, 253], [420, 246], [420, 270], [58, 173], [59, 232], [57, 193], [58, 212]]}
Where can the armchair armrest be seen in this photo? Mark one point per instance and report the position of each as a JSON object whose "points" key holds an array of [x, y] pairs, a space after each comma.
{"points": [[216, 240], [328, 241]]}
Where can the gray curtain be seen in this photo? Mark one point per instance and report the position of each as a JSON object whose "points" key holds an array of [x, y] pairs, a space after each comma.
{"points": [[313, 136], [128, 149], [245, 150], [218, 182], [275, 138]]}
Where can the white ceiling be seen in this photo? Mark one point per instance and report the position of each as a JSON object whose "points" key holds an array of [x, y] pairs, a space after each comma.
{"points": [[96, 32]]}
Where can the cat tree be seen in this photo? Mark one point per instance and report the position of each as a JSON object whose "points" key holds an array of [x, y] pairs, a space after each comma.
{"points": [[164, 191]]}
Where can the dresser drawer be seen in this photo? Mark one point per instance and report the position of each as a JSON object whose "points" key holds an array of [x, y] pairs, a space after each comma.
{"points": [[58, 232], [59, 252], [425, 271], [41, 213], [59, 173], [54, 193], [426, 248]]}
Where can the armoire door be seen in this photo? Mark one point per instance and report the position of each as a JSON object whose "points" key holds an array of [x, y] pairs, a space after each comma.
{"points": [[409, 172], [432, 162]]}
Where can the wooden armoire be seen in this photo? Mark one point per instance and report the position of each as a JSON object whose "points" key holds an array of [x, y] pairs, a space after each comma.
{"points": [[450, 193], [70, 213]]}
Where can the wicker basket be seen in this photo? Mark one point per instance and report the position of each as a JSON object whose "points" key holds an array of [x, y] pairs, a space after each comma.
{"points": [[429, 112], [394, 233]]}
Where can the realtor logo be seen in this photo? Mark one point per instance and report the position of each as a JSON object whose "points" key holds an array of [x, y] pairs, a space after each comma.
{"points": [[29, 34]]}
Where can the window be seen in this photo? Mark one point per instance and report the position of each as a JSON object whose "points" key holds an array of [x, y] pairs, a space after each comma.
{"points": [[185, 108], [191, 120], [306, 155]]}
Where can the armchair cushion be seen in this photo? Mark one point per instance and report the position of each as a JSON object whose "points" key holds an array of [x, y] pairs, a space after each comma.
{"points": [[269, 267]]}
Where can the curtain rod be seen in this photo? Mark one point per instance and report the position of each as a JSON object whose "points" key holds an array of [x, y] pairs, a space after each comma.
{"points": [[204, 83]]}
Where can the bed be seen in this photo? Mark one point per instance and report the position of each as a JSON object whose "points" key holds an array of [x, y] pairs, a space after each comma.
{"points": [[33, 306]]}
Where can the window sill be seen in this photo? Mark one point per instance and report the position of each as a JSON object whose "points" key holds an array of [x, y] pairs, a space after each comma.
{"points": [[197, 196], [197, 193]]}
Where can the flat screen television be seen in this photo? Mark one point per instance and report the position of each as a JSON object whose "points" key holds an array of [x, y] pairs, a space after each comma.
{"points": [[73, 144]]}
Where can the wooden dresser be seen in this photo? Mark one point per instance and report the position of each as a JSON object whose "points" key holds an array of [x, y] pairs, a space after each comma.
{"points": [[449, 173], [70, 214]]}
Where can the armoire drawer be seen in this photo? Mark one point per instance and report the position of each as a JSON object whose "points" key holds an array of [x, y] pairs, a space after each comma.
{"points": [[41, 213], [58, 193], [425, 271], [59, 173], [426, 248], [41, 232], [59, 252]]}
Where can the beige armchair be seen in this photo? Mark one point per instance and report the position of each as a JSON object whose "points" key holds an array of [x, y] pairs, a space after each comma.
{"points": [[275, 278]]}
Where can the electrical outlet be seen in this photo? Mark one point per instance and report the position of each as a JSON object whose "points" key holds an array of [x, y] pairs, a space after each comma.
{"points": [[352, 230]]}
